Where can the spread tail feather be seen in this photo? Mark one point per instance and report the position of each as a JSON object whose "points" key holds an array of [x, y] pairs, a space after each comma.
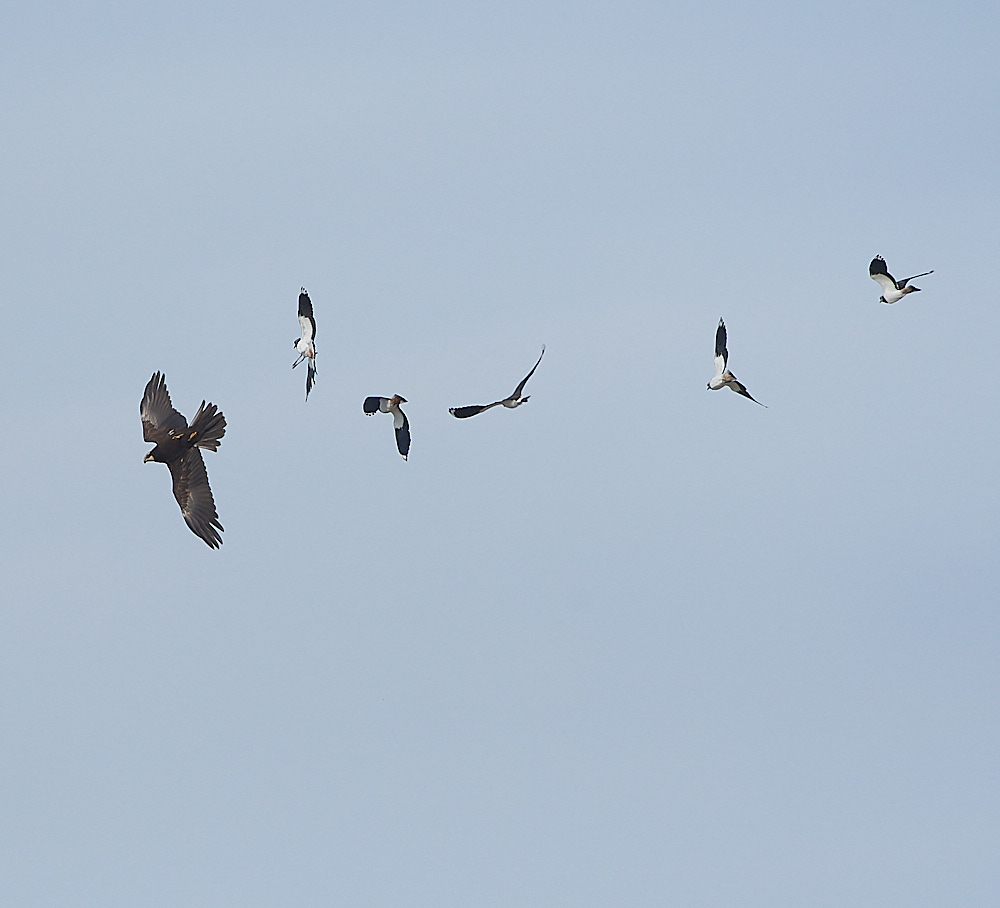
{"points": [[209, 425]]}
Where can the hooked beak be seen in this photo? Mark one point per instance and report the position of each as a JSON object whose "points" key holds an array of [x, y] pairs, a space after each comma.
{"points": [[148, 457]]}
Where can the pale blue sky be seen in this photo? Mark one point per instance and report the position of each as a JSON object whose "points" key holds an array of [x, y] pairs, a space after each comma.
{"points": [[634, 643]]}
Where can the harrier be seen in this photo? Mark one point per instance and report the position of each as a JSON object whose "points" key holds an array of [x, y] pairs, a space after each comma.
{"points": [[177, 446]]}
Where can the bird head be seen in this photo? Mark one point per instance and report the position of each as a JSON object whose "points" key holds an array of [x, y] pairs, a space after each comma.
{"points": [[396, 399]]}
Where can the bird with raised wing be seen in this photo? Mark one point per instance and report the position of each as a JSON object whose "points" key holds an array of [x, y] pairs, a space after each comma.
{"points": [[723, 378], [399, 421], [515, 400], [305, 346], [177, 445], [892, 290]]}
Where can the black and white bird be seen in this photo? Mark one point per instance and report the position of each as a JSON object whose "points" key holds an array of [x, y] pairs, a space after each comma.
{"points": [[305, 346], [892, 290], [515, 400], [723, 378], [177, 446], [399, 421]]}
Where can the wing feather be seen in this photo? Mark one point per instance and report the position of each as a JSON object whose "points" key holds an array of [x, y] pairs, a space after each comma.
{"points": [[466, 412], [878, 272], [402, 434], [307, 324], [524, 381], [721, 353], [194, 495], [740, 388], [157, 412], [906, 280]]}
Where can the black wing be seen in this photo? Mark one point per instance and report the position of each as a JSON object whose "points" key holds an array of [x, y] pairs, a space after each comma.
{"points": [[194, 495], [157, 413], [466, 412], [906, 280], [306, 321], [524, 381], [372, 405], [877, 266], [741, 388], [720, 345], [403, 437]]}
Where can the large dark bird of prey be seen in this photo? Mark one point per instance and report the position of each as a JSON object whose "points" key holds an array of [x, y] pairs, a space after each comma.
{"points": [[723, 378], [515, 400], [399, 421], [305, 346], [177, 446], [892, 290]]}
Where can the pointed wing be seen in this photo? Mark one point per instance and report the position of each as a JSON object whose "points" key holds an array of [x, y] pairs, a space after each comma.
{"points": [[402, 427], [374, 404], [194, 495], [721, 353], [157, 413], [740, 388], [307, 324], [466, 412], [524, 381], [906, 280]]}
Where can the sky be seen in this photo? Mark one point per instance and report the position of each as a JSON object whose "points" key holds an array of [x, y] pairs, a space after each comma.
{"points": [[633, 643]]}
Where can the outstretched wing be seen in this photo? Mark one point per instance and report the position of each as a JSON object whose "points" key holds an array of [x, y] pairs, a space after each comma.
{"points": [[740, 388], [524, 381], [157, 413], [879, 273], [906, 280], [374, 404], [307, 324], [402, 427], [721, 353], [466, 412], [194, 495]]}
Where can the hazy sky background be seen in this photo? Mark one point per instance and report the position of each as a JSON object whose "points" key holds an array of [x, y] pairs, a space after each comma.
{"points": [[634, 643]]}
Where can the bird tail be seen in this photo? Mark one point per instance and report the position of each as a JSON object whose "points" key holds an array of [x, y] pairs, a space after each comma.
{"points": [[310, 376], [208, 427]]}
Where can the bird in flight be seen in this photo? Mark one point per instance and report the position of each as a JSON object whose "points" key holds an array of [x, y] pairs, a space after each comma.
{"points": [[723, 378], [305, 346], [177, 446], [399, 421], [515, 400], [892, 290]]}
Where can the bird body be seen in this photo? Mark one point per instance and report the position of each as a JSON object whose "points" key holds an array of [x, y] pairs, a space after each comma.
{"points": [[399, 421], [515, 400], [723, 378], [177, 445], [892, 290], [305, 346]]}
